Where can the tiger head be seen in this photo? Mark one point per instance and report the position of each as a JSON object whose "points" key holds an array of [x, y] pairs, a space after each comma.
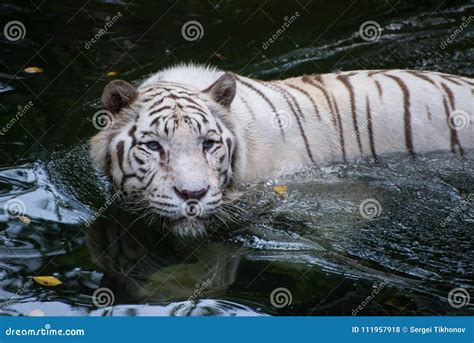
{"points": [[169, 149]]}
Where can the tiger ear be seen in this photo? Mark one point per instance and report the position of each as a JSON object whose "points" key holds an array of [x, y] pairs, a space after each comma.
{"points": [[223, 90], [118, 94]]}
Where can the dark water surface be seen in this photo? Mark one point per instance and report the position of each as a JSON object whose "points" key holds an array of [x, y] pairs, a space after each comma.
{"points": [[311, 245]]}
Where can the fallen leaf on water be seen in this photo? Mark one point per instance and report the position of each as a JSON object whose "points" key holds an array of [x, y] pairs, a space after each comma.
{"points": [[50, 281], [25, 220], [33, 70], [112, 73], [280, 189]]}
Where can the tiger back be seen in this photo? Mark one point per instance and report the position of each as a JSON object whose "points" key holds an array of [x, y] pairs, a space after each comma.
{"points": [[181, 139]]}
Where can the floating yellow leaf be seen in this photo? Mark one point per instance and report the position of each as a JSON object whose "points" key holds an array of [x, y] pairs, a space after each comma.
{"points": [[280, 189], [25, 220], [33, 70], [112, 73], [50, 281]]}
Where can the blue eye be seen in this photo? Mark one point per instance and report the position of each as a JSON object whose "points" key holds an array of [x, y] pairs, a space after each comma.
{"points": [[155, 146], [209, 143]]}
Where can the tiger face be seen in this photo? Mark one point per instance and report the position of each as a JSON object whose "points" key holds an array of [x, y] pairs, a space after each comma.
{"points": [[169, 149]]}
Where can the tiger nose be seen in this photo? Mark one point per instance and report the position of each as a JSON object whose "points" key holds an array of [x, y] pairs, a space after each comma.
{"points": [[187, 194]]}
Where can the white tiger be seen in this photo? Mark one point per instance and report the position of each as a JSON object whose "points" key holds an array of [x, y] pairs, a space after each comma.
{"points": [[179, 140]]}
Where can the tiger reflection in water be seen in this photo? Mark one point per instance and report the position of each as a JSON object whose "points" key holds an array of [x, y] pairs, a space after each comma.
{"points": [[140, 266]]}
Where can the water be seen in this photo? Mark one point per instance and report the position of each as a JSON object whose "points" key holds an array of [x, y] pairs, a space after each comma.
{"points": [[312, 241]]}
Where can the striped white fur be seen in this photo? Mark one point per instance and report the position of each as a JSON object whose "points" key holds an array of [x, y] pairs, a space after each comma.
{"points": [[267, 128]]}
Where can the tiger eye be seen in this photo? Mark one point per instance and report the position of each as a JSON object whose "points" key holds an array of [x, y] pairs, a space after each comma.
{"points": [[155, 146], [207, 144]]}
